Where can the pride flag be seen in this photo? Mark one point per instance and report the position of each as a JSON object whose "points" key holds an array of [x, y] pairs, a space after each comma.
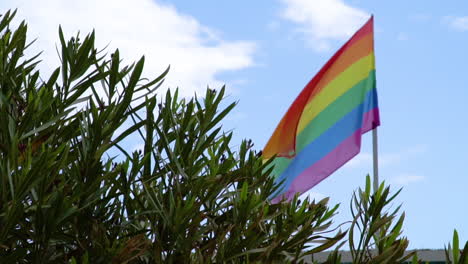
{"points": [[322, 129]]}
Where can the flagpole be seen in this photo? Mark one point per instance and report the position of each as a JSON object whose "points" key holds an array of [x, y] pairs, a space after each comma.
{"points": [[375, 159]]}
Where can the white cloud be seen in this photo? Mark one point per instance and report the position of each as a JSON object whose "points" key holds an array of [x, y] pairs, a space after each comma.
{"points": [[195, 52], [407, 178], [324, 20], [457, 23]]}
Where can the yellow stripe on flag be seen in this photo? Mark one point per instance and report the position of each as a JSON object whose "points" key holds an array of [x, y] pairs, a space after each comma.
{"points": [[343, 82]]}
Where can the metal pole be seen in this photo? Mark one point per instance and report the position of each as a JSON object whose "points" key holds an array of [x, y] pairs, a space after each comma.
{"points": [[375, 159]]}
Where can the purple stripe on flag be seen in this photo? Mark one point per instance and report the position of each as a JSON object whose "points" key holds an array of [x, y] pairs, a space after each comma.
{"points": [[345, 151]]}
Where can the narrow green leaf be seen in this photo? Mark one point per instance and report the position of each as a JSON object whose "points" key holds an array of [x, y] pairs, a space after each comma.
{"points": [[456, 247]]}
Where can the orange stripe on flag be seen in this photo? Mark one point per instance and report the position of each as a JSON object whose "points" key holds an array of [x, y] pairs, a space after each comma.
{"points": [[283, 141], [359, 50]]}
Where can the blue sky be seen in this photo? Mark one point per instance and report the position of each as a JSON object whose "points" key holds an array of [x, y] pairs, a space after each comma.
{"points": [[266, 51]]}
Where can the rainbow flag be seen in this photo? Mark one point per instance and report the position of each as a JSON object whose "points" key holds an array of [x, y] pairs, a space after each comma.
{"points": [[322, 129]]}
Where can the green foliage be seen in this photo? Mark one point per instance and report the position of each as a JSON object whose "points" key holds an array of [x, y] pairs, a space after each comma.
{"points": [[374, 237], [186, 197], [455, 255]]}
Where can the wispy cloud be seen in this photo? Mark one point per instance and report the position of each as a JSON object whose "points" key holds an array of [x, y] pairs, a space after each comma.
{"points": [[364, 159], [402, 36], [273, 26], [236, 116], [138, 147], [457, 23], [361, 160], [313, 195], [420, 17], [322, 21], [407, 178], [195, 52]]}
